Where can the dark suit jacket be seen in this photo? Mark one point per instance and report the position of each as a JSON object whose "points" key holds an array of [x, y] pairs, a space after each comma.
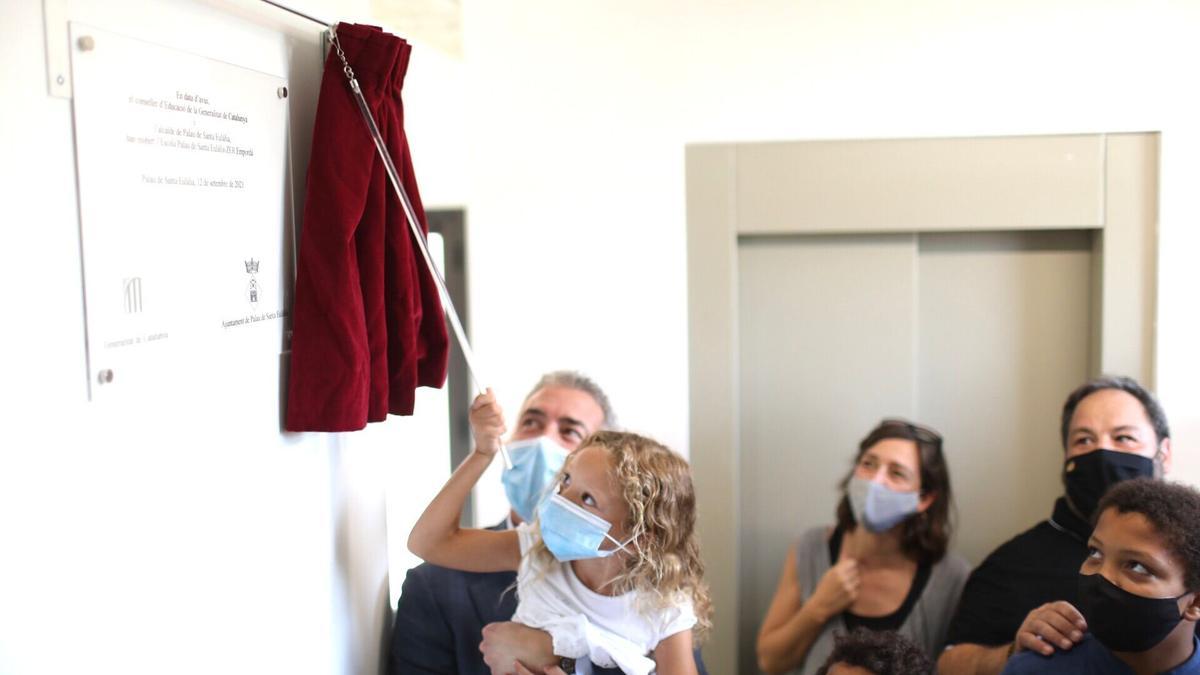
{"points": [[440, 619]]}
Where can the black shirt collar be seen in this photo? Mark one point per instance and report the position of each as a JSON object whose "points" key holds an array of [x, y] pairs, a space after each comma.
{"points": [[1066, 520]]}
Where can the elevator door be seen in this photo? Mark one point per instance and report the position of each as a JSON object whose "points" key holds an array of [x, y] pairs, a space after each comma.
{"points": [[968, 283], [979, 335]]}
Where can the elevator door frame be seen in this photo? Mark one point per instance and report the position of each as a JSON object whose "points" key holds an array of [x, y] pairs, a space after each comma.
{"points": [[1107, 183]]}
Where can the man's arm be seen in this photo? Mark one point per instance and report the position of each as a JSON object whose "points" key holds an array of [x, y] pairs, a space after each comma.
{"points": [[969, 659], [984, 622], [1055, 625], [506, 642], [552, 670]]}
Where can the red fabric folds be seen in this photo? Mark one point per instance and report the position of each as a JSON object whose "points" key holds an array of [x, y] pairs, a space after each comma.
{"points": [[367, 322]]}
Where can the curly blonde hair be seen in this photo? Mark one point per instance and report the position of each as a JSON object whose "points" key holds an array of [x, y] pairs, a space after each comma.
{"points": [[664, 560]]}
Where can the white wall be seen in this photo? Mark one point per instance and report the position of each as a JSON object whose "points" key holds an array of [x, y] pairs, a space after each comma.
{"points": [[185, 535], [435, 115], [581, 111], [136, 540]]}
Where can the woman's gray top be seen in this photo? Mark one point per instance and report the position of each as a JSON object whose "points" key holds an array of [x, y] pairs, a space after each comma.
{"points": [[927, 623]]}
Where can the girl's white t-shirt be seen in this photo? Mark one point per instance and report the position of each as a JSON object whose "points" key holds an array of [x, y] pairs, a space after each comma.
{"points": [[612, 631]]}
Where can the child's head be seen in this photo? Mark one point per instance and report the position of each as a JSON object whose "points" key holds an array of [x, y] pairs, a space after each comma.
{"points": [[869, 652], [1141, 577], [645, 491]]}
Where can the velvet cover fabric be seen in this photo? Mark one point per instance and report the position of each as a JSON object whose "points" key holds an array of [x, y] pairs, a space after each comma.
{"points": [[367, 323]]}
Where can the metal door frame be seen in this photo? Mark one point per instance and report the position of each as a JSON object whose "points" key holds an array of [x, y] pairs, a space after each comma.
{"points": [[1107, 183]]}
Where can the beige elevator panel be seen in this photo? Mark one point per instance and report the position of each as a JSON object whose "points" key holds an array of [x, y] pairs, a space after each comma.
{"points": [[1023, 264], [827, 346], [914, 185], [980, 335], [1003, 325]]}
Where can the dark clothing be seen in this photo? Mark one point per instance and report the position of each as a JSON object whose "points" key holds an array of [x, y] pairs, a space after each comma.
{"points": [[367, 320], [894, 620], [440, 618], [1088, 658], [1038, 566]]}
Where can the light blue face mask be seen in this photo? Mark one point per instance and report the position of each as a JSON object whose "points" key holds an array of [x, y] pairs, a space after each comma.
{"points": [[536, 462], [878, 507], [572, 533]]}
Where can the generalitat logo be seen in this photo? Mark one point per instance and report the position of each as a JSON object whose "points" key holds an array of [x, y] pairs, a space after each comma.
{"points": [[133, 295]]}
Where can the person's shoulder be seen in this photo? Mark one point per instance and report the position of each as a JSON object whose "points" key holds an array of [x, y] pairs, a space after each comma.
{"points": [[944, 589], [431, 589], [426, 572], [1089, 656], [1029, 662], [953, 564], [1020, 547], [951, 574], [994, 596], [813, 538], [1039, 531], [435, 576], [677, 615], [440, 614], [1192, 665]]}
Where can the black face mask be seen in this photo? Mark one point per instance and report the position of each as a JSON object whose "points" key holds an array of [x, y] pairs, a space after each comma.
{"points": [[1088, 477], [1122, 621]]}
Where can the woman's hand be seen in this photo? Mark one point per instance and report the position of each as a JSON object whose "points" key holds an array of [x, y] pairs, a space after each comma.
{"points": [[837, 590], [792, 623], [487, 423]]}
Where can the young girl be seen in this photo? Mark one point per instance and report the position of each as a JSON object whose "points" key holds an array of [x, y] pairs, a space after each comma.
{"points": [[610, 567]]}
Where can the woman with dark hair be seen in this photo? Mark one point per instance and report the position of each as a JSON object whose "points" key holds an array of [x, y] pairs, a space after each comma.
{"points": [[882, 566]]}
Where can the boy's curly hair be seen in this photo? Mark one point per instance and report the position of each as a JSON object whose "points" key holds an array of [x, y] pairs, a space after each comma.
{"points": [[1174, 511], [881, 652], [664, 558]]}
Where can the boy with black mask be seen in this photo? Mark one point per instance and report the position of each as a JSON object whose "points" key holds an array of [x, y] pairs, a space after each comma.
{"points": [[1137, 587], [1023, 596]]}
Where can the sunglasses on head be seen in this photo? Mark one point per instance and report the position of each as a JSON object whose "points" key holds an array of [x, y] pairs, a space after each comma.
{"points": [[919, 431]]}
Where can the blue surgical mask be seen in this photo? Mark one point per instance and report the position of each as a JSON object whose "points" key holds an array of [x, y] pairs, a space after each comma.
{"points": [[572, 533], [536, 462], [878, 507]]}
